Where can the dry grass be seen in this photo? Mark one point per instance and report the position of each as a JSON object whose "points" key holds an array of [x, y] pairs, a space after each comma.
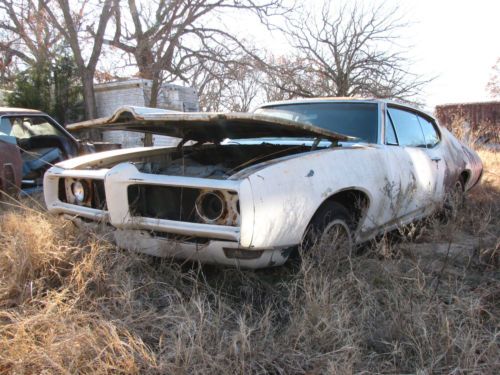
{"points": [[70, 302]]}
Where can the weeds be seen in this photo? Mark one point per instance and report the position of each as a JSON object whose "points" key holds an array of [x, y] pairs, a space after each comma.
{"points": [[73, 303]]}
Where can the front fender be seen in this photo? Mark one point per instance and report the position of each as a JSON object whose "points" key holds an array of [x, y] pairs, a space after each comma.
{"points": [[286, 195]]}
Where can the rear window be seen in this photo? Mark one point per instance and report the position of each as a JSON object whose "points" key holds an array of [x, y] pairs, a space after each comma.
{"points": [[359, 120]]}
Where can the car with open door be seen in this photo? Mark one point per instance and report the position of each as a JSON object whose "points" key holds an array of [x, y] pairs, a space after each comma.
{"points": [[30, 143], [246, 189]]}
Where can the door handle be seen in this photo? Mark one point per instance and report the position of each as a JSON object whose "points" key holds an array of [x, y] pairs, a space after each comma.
{"points": [[436, 158]]}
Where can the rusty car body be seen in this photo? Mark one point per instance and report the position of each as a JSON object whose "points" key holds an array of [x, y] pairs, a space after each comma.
{"points": [[30, 142], [245, 189], [10, 167]]}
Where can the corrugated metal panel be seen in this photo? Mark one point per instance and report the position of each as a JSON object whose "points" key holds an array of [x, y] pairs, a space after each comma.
{"points": [[482, 118], [474, 113]]}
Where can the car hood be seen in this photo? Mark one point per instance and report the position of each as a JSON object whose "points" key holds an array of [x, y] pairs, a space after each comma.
{"points": [[205, 127]]}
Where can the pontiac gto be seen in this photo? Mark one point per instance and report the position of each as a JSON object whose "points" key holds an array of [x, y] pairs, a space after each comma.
{"points": [[246, 189]]}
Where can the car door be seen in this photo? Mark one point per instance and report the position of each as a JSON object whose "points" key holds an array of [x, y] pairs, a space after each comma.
{"points": [[414, 178], [10, 161], [434, 150]]}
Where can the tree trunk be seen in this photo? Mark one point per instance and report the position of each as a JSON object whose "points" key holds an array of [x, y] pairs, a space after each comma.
{"points": [[88, 95], [90, 103], [144, 58], [155, 90], [148, 137]]}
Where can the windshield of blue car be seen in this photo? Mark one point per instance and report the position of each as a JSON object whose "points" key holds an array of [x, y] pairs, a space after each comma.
{"points": [[26, 127], [359, 120]]}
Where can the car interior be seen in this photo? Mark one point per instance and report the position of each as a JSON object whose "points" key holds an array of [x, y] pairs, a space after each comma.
{"points": [[40, 144]]}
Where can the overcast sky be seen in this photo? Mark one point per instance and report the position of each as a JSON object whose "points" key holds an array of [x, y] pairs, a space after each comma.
{"points": [[456, 41]]}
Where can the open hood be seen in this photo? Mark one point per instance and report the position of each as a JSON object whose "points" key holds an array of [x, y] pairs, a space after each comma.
{"points": [[205, 127]]}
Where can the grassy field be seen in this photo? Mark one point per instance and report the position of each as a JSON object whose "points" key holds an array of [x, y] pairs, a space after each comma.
{"points": [[422, 301]]}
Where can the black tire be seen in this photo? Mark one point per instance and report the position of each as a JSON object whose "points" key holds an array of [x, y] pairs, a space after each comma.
{"points": [[332, 228]]}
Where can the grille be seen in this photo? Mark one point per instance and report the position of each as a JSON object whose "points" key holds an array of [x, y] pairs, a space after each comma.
{"points": [[163, 202]]}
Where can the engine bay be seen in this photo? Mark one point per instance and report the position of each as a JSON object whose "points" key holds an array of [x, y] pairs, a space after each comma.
{"points": [[215, 161]]}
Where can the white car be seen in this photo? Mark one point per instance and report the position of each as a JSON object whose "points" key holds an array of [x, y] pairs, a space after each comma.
{"points": [[246, 189]]}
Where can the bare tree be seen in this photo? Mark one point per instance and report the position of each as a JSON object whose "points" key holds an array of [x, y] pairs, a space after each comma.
{"points": [[493, 85], [288, 77], [8, 66], [348, 51], [244, 88], [209, 78], [29, 34], [169, 39], [228, 87], [76, 25]]}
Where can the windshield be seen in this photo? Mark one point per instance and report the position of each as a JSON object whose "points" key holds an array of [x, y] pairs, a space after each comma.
{"points": [[357, 120], [27, 127]]}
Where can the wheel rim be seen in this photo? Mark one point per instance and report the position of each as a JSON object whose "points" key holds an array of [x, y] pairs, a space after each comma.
{"points": [[336, 237]]}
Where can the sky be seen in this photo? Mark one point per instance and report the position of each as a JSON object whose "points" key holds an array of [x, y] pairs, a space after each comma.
{"points": [[456, 42]]}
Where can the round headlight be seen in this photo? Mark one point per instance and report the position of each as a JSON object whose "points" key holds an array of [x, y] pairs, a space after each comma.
{"points": [[210, 206], [80, 191]]}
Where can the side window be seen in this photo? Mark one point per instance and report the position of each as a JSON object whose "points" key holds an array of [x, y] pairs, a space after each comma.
{"points": [[5, 126], [5, 130], [390, 135], [407, 128], [430, 134]]}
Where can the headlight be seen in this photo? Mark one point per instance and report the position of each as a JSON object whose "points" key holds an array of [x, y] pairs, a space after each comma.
{"points": [[210, 206], [80, 191]]}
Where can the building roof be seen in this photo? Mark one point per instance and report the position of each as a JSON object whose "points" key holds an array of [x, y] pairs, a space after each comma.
{"points": [[491, 102]]}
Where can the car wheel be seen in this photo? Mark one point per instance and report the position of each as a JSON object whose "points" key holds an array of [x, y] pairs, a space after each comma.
{"points": [[454, 200], [330, 233]]}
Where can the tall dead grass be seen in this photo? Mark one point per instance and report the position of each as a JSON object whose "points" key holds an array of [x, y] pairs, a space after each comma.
{"points": [[422, 302]]}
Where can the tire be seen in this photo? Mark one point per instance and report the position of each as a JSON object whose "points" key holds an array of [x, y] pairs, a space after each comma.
{"points": [[330, 232]]}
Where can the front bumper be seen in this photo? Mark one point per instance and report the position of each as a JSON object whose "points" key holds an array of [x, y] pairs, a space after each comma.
{"points": [[144, 234], [212, 252]]}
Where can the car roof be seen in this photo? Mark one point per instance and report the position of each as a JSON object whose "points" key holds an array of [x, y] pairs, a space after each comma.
{"points": [[347, 100], [7, 111]]}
